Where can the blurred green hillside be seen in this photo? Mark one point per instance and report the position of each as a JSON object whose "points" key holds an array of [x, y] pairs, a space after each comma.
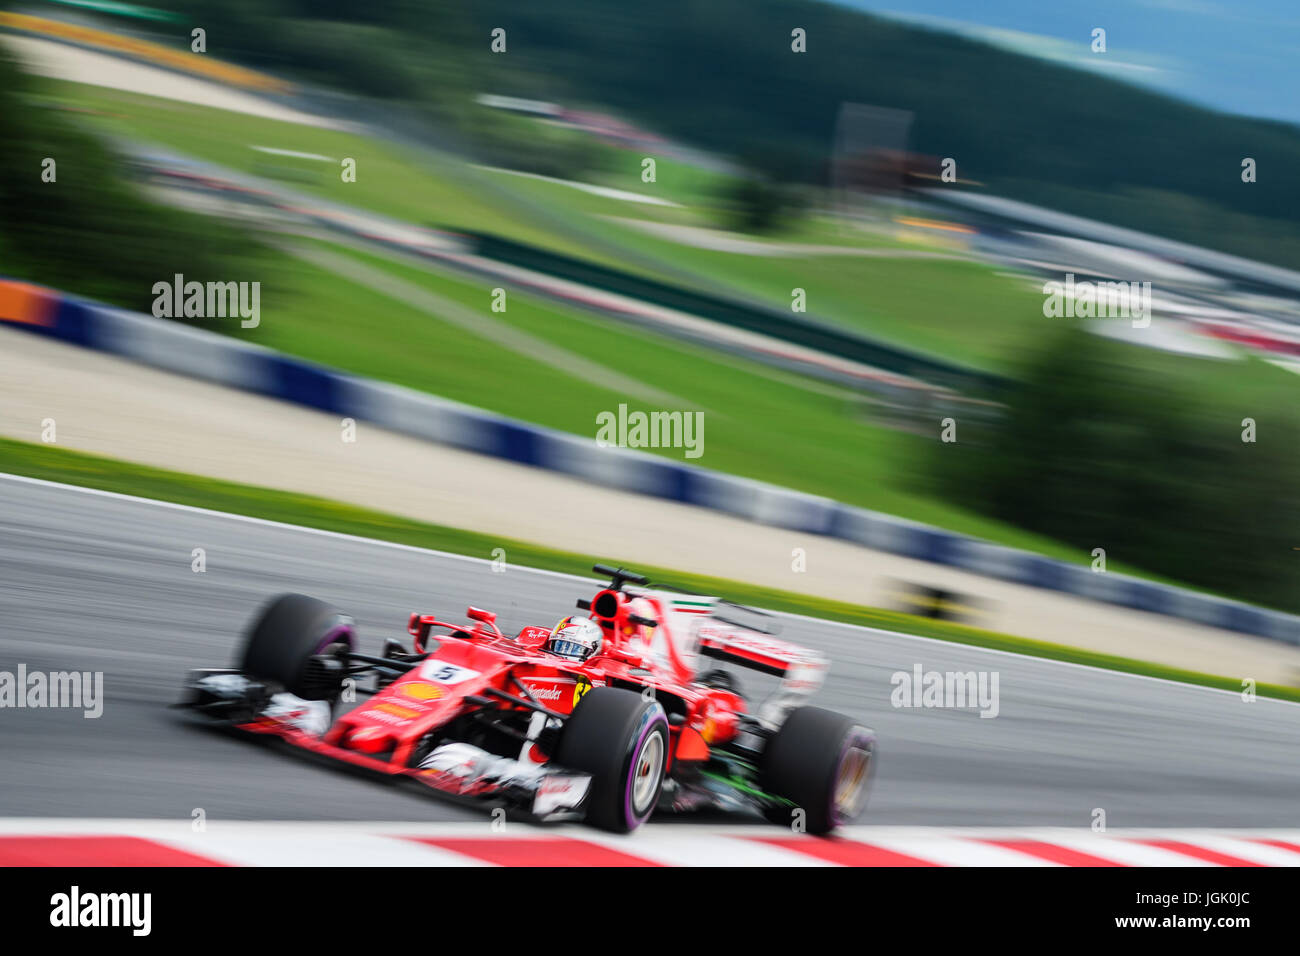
{"points": [[720, 74]]}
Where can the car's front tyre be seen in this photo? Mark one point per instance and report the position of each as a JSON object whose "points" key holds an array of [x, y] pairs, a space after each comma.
{"points": [[296, 641], [621, 740]]}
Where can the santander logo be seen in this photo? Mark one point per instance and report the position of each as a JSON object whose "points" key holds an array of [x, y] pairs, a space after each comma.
{"points": [[543, 692]]}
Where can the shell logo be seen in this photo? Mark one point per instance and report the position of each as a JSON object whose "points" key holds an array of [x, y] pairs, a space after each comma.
{"points": [[421, 690]]}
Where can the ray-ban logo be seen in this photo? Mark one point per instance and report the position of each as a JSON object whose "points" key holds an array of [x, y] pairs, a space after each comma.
{"points": [[179, 299]]}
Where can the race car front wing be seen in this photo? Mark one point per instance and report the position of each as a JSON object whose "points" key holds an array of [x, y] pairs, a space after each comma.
{"points": [[462, 770]]}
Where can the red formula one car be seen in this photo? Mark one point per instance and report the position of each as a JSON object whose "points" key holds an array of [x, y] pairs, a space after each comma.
{"points": [[606, 717]]}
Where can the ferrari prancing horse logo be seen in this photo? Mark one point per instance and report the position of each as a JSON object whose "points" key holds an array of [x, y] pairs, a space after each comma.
{"points": [[581, 687]]}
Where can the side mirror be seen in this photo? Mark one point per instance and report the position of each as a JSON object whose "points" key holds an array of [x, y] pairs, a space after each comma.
{"points": [[478, 614]]}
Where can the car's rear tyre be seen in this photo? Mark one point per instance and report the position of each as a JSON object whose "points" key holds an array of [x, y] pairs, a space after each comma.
{"points": [[621, 739], [821, 761], [294, 642]]}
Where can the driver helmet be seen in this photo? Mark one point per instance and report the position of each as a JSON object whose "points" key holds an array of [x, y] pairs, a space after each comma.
{"points": [[575, 637]]}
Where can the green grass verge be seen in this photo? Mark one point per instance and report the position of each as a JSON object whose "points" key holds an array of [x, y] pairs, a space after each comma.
{"points": [[390, 179], [758, 424], [960, 310], [92, 471], [416, 186]]}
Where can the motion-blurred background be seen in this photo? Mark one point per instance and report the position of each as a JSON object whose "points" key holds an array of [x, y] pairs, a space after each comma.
{"points": [[827, 227]]}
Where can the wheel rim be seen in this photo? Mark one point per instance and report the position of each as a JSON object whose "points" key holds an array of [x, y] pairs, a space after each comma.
{"points": [[646, 772], [851, 780]]}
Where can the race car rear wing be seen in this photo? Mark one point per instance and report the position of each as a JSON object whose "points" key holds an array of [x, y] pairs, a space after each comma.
{"points": [[760, 652], [760, 621], [802, 671]]}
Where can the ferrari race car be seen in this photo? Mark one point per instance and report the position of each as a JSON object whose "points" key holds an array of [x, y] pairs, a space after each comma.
{"points": [[606, 717]]}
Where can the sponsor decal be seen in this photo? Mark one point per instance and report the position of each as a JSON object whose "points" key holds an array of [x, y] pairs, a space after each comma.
{"points": [[692, 607], [397, 711], [581, 687], [421, 690], [551, 691], [376, 714], [440, 672], [560, 792]]}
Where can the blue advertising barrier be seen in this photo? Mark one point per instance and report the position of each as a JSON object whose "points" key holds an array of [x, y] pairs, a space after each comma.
{"points": [[216, 358]]}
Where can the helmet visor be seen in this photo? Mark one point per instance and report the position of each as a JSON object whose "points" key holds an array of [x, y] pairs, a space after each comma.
{"points": [[569, 648]]}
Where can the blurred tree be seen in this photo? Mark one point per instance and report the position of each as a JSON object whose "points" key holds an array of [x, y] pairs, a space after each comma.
{"points": [[721, 74], [91, 231], [1106, 445], [757, 205]]}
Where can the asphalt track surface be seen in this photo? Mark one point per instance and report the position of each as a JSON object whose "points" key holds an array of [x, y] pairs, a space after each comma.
{"points": [[103, 583]]}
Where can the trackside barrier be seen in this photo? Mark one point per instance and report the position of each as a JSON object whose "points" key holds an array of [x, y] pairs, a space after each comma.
{"points": [[785, 326], [226, 361], [180, 59]]}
